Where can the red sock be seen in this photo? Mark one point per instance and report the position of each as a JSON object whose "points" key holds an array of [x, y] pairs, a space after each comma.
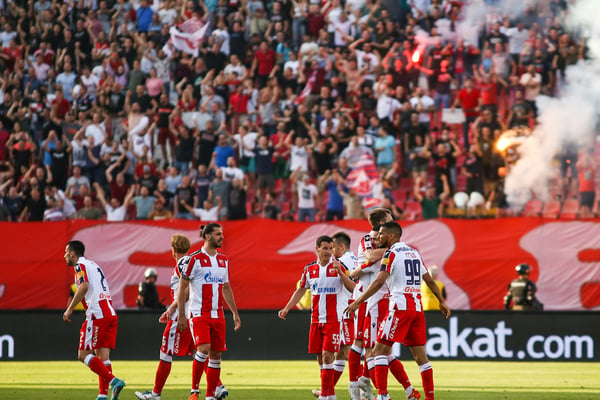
{"points": [[427, 379], [354, 363], [197, 369], [212, 377], [98, 367], [365, 371], [397, 369], [327, 387], [381, 373], [220, 383], [162, 373], [336, 376], [102, 382]]}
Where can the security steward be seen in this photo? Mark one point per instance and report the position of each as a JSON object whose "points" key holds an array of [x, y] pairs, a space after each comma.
{"points": [[148, 297], [521, 292]]}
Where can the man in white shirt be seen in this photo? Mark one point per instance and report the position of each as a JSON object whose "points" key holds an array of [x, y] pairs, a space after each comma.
{"points": [[387, 106], [96, 129], [307, 196], [532, 82], [231, 171], [208, 212], [424, 105], [114, 210], [517, 35]]}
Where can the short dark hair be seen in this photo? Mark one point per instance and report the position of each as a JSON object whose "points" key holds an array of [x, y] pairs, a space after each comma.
{"points": [[208, 229], [76, 247], [394, 227], [342, 238], [324, 239], [378, 216]]}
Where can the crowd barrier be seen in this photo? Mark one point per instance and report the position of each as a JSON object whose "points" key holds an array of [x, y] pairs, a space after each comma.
{"points": [[475, 258], [467, 335]]}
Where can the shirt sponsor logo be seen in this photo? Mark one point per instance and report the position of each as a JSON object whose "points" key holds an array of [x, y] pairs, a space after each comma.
{"points": [[103, 296], [324, 290], [411, 289], [212, 279]]}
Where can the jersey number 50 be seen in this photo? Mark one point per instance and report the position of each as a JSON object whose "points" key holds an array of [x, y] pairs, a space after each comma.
{"points": [[412, 268]]}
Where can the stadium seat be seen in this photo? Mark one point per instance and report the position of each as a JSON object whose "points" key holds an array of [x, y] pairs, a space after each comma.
{"points": [[533, 208], [551, 209], [412, 210], [570, 209]]}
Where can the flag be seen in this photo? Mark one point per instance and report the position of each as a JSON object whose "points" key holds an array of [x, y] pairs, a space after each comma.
{"points": [[308, 88], [363, 177], [189, 38]]}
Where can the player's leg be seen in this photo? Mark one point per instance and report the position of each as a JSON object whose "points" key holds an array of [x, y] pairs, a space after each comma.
{"points": [[420, 356], [213, 372], [200, 331], [380, 360], [331, 345], [217, 342], [171, 335], [415, 339], [96, 339], [103, 383], [354, 363], [346, 339], [327, 373]]}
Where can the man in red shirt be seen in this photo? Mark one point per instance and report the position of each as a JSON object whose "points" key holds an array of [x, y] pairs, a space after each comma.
{"points": [[469, 99], [264, 61], [60, 108]]}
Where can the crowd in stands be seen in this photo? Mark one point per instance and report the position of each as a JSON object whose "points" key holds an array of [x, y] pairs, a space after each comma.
{"points": [[102, 117]]}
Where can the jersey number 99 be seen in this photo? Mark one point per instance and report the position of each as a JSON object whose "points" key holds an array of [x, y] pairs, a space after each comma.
{"points": [[412, 269]]}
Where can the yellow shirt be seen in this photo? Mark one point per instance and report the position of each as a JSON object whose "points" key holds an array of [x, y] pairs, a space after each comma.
{"points": [[428, 299], [305, 301]]}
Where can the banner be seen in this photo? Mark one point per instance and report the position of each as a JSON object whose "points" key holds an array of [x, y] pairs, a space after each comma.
{"points": [[475, 258], [467, 335]]}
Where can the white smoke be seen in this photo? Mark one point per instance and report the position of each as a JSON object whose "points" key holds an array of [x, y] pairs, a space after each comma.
{"points": [[570, 118], [476, 14]]}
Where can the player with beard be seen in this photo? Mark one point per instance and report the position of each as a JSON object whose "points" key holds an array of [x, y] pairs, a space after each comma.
{"points": [[405, 321], [206, 275]]}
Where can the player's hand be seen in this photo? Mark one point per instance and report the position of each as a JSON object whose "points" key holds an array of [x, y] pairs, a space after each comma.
{"points": [[356, 273], [164, 317], [182, 323], [237, 322], [338, 266], [444, 309], [351, 308], [67, 316], [282, 313]]}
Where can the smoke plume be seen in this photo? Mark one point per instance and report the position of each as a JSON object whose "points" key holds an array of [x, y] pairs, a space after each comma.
{"points": [[570, 118]]}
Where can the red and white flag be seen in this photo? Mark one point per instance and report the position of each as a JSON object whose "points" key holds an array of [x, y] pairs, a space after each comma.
{"points": [[308, 88], [190, 36]]}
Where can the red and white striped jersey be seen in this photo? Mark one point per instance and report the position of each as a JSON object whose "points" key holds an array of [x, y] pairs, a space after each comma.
{"points": [[175, 278], [207, 275], [367, 277], [97, 301], [378, 303], [406, 269], [326, 287], [349, 261]]}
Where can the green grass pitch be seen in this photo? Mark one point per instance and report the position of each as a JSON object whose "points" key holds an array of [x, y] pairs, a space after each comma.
{"points": [[293, 380]]}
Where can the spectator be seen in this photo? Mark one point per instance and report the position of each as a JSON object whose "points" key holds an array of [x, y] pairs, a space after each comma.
{"points": [[307, 196], [208, 212], [221, 188], [143, 202], [89, 211], [431, 202], [115, 211], [271, 209], [331, 181], [185, 194], [236, 208], [159, 211]]}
